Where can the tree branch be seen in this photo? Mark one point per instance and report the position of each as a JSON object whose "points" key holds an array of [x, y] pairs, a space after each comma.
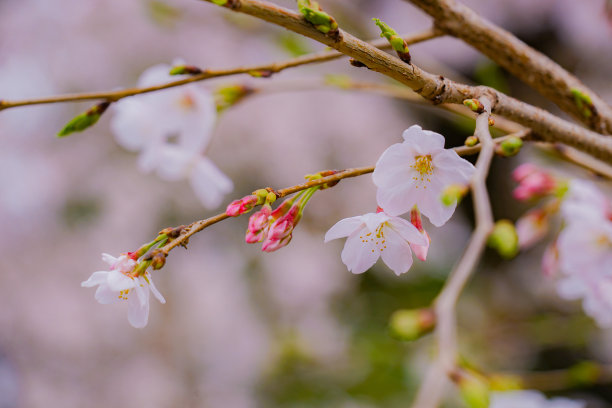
{"points": [[430, 393], [529, 65], [435, 88], [268, 69]]}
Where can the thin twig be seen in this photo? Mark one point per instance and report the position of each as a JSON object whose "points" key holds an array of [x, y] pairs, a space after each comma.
{"points": [[433, 87], [270, 68], [431, 390]]}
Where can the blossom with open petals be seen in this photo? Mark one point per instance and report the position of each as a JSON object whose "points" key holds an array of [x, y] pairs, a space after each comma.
{"points": [[530, 399], [416, 172], [119, 283], [375, 235]]}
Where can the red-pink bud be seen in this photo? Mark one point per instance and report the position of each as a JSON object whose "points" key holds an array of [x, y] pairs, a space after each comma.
{"points": [[421, 250], [533, 182], [415, 219], [239, 207], [258, 225], [279, 233], [273, 245]]}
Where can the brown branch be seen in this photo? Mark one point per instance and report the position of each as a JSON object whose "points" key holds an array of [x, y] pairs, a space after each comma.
{"points": [[430, 393], [270, 68], [529, 65], [435, 88]]}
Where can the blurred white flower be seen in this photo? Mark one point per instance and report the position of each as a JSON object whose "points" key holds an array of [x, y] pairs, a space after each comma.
{"points": [[416, 172], [530, 399], [373, 235], [172, 128], [119, 283], [532, 227], [584, 249]]}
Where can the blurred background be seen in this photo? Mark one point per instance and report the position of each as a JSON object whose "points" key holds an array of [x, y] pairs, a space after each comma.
{"points": [[242, 328]]}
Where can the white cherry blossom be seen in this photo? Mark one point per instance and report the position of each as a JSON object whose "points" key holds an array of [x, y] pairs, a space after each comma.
{"points": [[376, 235], [416, 172], [530, 399], [187, 113], [118, 283]]}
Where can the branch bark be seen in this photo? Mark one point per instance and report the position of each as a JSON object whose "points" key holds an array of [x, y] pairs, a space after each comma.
{"points": [[435, 88], [527, 64]]}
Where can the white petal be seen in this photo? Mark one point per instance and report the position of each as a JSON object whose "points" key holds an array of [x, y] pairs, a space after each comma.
{"points": [[344, 228], [359, 256], [109, 259], [149, 158], [141, 291], [175, 162], [449, 168], [156, 292], [133, 124], [105, 295], [397, 254], [407, 231], [396, 201], [155, 75], [117, 281], [424, 141], [373, 220], [393, 166], [138, 313], [430, 205], [96, 278], [209, 183]]}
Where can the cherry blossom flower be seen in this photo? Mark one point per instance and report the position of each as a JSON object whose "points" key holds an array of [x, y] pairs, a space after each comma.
{"points": [[530, 399], [584, 251], [186, 112], [171, 129], [119, 283], [416, 172], [376, 235]]}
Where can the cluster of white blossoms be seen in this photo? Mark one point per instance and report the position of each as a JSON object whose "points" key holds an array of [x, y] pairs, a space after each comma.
{"points": [[411, 177], [581, 256], [530, 399], [171, 129], [122, 282]]}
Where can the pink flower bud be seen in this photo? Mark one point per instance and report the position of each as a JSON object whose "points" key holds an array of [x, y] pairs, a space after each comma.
{"points": [[531, 228], [415, 219], [239, 207], [279, 233], [533, 182], [258, 225]]}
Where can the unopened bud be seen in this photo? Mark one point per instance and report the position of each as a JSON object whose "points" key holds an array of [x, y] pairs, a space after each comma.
{"points": [[85, 120], [185, 70], [473, 388], [584, 103], [504, 239], [397, 43], [471, 141], [158, 261], [230, 95], [453, 194], [475, 105], [510, 147], [491, 121], [244, 205], [584, 373], [409, 325], [322, 21]]}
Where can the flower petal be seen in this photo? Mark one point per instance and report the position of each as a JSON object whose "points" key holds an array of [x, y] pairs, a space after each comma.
{"points": [[96, 278], [357, 255], [396, 201], [397, 254], [344, 228], [117, 281], [209, 183], [450, 168], [138, 313], [424, 141], [105, 295], [393, 166], [407, 231], [156, 292]]}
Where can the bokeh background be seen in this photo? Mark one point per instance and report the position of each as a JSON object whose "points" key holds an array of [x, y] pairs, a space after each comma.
{"points": [[242, 328]]}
